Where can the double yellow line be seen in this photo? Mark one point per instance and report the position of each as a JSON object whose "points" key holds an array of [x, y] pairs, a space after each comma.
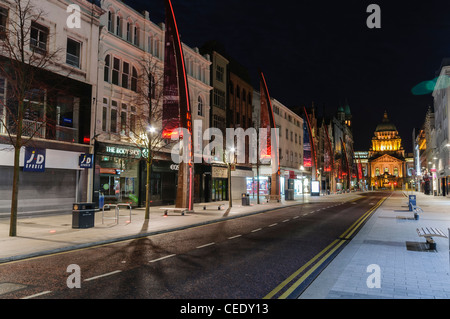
{"points": [[323, 255]]}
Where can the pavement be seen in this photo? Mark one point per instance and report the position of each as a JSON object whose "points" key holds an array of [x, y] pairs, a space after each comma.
{"points": [[387, 240], [388, 245]]}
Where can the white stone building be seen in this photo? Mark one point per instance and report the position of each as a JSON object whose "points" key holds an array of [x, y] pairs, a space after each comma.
{"points": [[290, 129]]}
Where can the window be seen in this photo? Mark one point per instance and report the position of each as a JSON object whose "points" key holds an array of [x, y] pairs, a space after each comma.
{"points": [[219, 98], [396, 171], [133, 122], [116, 71], [377, 171], [219, 73], [105, 115], [134, 76], [136, 35], [152, 86], [110, 21], [231, 88], [113, 127], [128, 31], [119, 26], [73, 53], [106, 69], [2, 103], [149, 48], [3, 19], [123, 120], [287, 134], [200, 106], [125, 74], [38, 37]]}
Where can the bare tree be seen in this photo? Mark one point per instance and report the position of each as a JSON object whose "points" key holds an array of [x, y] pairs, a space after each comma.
{"points": [[146, 128], [25, 57]]}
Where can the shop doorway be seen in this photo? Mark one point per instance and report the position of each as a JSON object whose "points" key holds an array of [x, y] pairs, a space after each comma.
{"points": [[219, 189]]}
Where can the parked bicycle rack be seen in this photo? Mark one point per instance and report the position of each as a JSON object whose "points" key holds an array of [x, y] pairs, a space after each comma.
{"points": [[116, 215], [118, 209]]}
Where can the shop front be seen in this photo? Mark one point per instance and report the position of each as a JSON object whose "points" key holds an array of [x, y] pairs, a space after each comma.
{"points": [[219, 183], [117, 175]]}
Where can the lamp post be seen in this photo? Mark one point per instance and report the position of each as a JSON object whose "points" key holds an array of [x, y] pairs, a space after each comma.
{"points": [[303, 187], [229, 159], [150, 130]]}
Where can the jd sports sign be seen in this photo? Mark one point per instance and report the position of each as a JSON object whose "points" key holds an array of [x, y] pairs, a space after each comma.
{"points": [[34, 160]]}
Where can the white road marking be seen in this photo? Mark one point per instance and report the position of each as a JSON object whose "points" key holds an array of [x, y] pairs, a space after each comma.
{"points": [[255, 230], [233, 237], [161, 258], [104, 275], [286, 220], [296, 217], [37, 295], [273, 225], [209, 244]]}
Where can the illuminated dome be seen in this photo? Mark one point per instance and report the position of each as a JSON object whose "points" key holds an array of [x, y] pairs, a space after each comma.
{"points": [[385, 125]]}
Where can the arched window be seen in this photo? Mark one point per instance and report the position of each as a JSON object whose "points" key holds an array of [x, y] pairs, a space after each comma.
{"points": [[136, 35], [119, 26], [110, 21], [134, 77], [106, 69], [200, 106], [129, 28]]}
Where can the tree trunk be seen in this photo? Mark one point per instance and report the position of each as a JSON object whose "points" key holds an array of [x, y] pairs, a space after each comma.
{"points": [[15, 186], [147, 193], [15, 193]]}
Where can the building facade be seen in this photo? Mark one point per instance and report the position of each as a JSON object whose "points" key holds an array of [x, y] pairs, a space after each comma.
{"points": [[129, 102], [57, 119], [441, 157], [387, 159], [293, 176]]}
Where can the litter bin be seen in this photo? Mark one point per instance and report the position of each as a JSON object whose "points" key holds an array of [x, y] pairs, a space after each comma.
{"points": [[245, 199], [289, 194], [412, 202], [83, 215]]}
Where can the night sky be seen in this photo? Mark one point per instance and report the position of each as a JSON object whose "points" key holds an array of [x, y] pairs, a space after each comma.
{"points": [[323, 52]]}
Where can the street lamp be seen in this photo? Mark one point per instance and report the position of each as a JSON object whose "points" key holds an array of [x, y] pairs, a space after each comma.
{"points": [[303, 187], [228, 160]]}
